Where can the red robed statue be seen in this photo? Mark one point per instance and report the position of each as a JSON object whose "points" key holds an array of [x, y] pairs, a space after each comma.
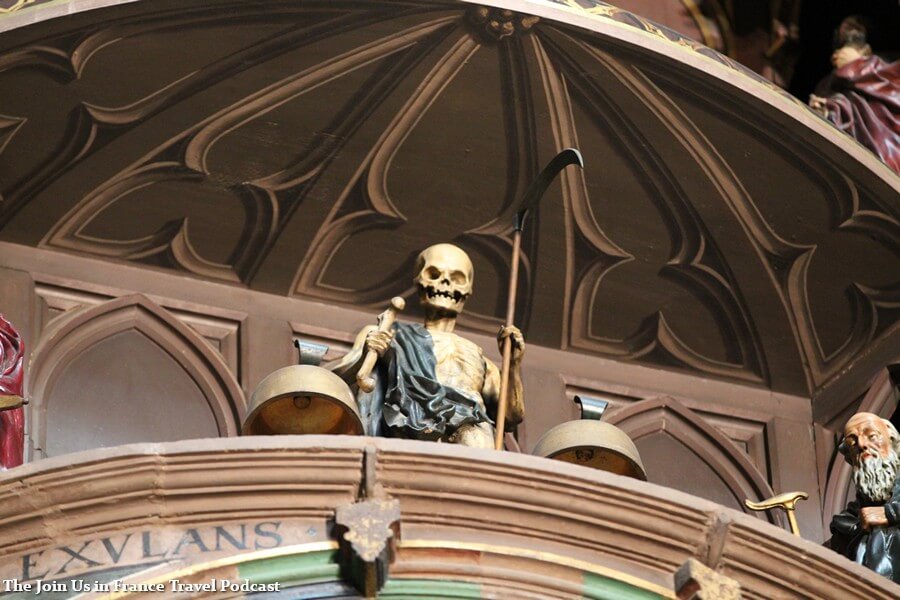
{"points": [[12, 419], [862, 95], [866, 105]]}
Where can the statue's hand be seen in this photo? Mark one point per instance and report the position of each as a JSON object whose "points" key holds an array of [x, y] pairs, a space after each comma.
{"points": [[518, 342], [817, 103], [379, 341], [872, 516]]}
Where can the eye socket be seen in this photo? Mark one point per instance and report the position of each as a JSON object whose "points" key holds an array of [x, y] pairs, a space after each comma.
{"points": [[432, 273], [458, 277]]}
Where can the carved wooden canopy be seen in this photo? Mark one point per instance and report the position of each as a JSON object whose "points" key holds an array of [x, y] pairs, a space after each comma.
{"points": [[313, 148]]}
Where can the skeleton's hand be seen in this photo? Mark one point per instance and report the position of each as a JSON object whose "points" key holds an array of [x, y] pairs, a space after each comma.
{"points": [[872, 516], [379, 341], [518, 342]]}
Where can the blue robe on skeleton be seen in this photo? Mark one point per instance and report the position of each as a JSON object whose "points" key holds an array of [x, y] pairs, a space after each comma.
{"points": [[408, 401]]}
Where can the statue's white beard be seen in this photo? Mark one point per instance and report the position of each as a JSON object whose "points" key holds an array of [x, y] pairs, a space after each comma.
{"points": [[874, 478]]}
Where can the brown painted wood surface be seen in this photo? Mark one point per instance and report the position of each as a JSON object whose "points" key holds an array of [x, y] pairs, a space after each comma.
{"points": [[720, 230], [722, 272], [227, 339], [448, 496]]}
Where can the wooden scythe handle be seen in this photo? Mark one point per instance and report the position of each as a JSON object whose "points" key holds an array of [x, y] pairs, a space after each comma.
{"points": [[503, 400], [385, 321], [569, 156]]}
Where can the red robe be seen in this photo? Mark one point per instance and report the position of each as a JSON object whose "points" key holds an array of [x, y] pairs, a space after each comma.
{"points": [[863, 100], [12, 421]]}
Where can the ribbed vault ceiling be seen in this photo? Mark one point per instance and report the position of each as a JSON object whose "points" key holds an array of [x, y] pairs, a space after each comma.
{"points": [[313, 148]]}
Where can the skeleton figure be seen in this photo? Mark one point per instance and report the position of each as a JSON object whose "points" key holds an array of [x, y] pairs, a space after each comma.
{"points": [[444, 277]]}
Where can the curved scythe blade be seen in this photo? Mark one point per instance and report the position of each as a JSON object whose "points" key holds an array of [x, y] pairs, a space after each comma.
{"points": [[569, 156]]}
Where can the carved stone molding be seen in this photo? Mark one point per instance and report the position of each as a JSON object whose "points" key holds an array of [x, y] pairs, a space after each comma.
{"points": [[692, 263], [464, 515], [73, 335], [695, 581], [221, 332], [800, 261], [663, 415], [746, 432]]}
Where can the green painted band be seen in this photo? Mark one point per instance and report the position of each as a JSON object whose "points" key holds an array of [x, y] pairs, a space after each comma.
{"points": [[297, 569], [597, 587]]}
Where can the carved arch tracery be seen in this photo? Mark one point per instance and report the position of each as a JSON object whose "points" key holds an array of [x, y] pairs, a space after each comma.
{"points": [[277, 156], [669, 416], [71, 335]]}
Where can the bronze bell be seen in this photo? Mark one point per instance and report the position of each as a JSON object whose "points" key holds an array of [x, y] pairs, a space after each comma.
{"points": [[592, 443], [302, 399]]}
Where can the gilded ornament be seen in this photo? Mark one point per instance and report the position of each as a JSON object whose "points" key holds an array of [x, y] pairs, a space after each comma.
{"points": [[499, 23]]}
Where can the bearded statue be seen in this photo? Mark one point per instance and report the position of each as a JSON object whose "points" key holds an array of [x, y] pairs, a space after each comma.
{"points": [[432, 384], [868, 531]]}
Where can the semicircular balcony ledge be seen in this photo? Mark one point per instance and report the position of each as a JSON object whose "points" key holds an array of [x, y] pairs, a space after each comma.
{"points": [[263, 509]]}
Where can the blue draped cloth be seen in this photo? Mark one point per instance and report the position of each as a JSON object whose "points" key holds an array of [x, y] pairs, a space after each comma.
{"points": [[416, 405]]}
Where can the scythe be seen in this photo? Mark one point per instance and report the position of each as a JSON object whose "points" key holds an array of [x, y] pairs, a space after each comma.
{"points": [[569, 156]]}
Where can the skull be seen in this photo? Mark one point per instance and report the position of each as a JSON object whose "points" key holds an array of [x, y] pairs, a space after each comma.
{"points": [[444, 275]]}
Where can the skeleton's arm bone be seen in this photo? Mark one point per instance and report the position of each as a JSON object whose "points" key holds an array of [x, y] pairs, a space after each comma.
{"points": [[515, 410], [347, 366]]}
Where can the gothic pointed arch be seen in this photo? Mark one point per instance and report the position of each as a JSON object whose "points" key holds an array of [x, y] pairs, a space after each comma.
{"points": [[675, 441], [159, 377]]}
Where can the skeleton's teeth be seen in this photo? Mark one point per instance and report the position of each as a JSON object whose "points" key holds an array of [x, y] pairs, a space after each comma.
{"points": [[456, 296]]}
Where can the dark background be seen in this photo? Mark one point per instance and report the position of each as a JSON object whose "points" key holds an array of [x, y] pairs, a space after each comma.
{"points": [[818, 22]]}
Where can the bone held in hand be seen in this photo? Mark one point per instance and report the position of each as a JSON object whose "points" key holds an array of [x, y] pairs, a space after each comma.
{"points": [[385, 321]]}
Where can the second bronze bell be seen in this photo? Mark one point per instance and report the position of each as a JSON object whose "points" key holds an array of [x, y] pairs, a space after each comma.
{"points": [[594, 444], [302, 399]]}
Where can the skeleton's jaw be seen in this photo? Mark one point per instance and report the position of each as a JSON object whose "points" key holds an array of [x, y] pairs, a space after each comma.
{"points": [[440, 301]]}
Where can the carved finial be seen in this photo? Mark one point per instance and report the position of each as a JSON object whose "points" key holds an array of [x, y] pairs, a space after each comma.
{"points": [[696, 581], [498, 23], [370, 532]]}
